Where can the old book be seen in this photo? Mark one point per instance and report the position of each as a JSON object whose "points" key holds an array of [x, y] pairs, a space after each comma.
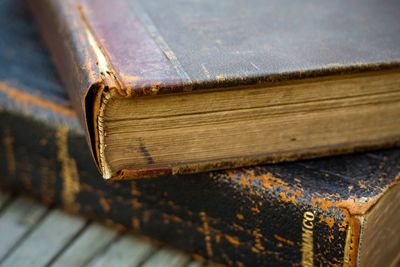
{"points": [[328, 212], [165, 87]]}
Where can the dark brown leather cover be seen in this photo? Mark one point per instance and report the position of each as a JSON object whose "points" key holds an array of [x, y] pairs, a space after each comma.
{"points": [[148, 47]]}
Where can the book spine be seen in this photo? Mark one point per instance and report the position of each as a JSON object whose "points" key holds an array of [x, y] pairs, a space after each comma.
{"points": [[65, 33], [86, 70], [237, 217]]}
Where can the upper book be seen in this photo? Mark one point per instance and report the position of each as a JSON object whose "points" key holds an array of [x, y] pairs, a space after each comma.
{"points": [[185, 86]]}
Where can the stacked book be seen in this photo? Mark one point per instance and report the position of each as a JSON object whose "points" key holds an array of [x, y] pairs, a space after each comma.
{"points": [[237, 131]]}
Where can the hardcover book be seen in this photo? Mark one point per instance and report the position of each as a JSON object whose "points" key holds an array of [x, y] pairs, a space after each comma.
{"points": [[168, 87], [337, 211]]}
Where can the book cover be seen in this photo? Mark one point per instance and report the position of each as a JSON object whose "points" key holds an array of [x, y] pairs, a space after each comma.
{"points": [[336, 211], [295, 80]]}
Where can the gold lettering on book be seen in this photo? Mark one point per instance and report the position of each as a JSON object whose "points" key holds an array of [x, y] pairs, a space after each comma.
{"points": [[69, 171], [348, 248], [207, 234], [307, 242]]}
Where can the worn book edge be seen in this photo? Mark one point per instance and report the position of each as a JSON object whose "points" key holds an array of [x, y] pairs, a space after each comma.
{"points": [[85, 76], [358, 211]]}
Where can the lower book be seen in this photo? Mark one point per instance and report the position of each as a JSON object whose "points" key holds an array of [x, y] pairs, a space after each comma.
{"points": [[334, 211], [338, 211]]}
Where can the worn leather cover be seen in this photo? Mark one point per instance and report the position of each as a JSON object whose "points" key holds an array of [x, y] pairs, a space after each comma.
{"points": [[149, 47], [249, 216]]}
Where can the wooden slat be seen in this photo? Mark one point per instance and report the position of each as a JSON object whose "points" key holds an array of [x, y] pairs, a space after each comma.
{"points": [[16, 220], [47, 239], [127, 251], [166, 258], [95, 238], [194, 264], [29, 237]]}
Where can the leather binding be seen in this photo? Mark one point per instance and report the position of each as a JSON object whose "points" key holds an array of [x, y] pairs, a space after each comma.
{"points": [[127, 45], [249, 216]]}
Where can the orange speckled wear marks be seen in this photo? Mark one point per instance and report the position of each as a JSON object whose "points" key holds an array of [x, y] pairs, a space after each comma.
{"points": [[227, 216]]}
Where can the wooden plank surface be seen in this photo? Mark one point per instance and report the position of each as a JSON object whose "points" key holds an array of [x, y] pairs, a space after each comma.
{"points": [[32, 235], [45, 241], [16, 220], [167, 258], [87, 246], [127, 251]]}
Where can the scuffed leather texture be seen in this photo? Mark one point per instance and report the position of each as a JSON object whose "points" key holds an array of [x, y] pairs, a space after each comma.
{"points": [[248, 216], [68, 42], [212, 44]]}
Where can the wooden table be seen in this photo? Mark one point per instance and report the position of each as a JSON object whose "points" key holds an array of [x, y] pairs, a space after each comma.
{"points": [[34, 235]]}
